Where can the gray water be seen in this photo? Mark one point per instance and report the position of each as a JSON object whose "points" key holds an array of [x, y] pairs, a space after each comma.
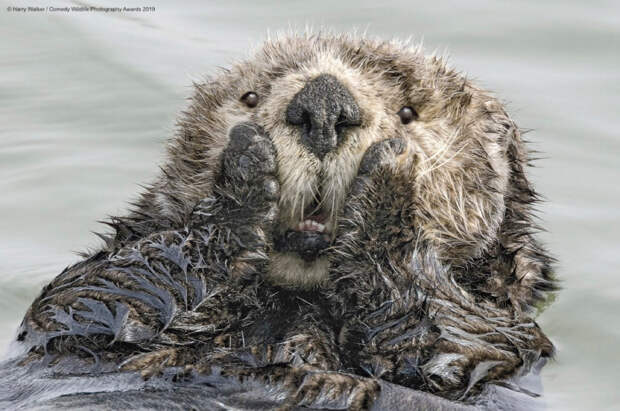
{"points": [[87, 101]]}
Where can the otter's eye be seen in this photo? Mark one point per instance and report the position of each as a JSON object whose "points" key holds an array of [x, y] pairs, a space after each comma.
{"points": [[250, 99], [407, 115]]}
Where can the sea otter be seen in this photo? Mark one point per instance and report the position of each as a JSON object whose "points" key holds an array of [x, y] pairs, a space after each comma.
{"points": [[335, 214]]}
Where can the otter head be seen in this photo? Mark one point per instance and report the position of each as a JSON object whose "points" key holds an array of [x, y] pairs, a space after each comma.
{"points": [[324, 100]]}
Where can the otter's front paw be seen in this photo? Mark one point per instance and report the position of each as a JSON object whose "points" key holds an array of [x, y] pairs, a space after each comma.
{"points": [[331, 390], [249, 173], [379, 160], [381, 154], [249, 159], [237, 220], [246, 190], [380, 208]]}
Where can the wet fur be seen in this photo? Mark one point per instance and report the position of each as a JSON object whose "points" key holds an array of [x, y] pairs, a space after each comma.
{"points": [[433, 277]]}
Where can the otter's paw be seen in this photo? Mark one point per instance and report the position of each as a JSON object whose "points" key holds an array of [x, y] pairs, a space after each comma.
{"points": [[249, 168], [249, 159], [246, 191], [381, 154], [307, 350], [333, 390], [380, 208]]}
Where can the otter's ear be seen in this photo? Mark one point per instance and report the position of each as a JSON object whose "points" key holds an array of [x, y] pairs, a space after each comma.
{"points": [[527, 274]]}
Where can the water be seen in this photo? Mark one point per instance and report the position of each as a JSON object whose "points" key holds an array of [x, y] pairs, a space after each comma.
{"points": [[88, 100]]}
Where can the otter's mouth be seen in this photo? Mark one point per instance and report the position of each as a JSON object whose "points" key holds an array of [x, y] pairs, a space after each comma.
{"points": [[309, 237]]}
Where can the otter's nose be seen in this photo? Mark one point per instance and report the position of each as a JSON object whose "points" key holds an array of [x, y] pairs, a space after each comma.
{"points": [[324, 108]]}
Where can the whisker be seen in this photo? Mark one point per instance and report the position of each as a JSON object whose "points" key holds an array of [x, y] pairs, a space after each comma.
{"points": [[433, 167], [442, 150]]}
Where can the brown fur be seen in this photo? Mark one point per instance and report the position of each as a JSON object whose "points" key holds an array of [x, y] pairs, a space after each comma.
{"points": [[434, 271], [472, 159]]}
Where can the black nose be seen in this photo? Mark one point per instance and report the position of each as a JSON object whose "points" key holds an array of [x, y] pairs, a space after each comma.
{"points": [[324, 108]]}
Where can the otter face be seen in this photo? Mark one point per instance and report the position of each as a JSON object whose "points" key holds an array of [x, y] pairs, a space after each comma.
{"points": [[324, 101]]}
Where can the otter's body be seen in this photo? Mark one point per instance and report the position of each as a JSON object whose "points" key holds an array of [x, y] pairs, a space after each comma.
{"points": [[335, 214]]}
